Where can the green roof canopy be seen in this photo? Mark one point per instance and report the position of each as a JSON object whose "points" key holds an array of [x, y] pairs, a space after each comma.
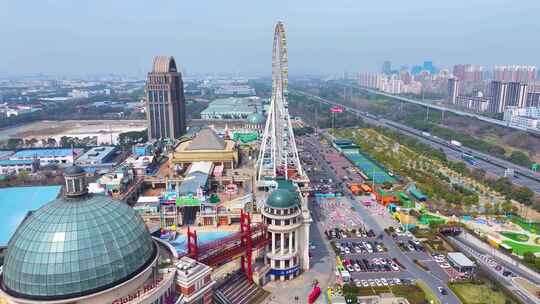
{"points": [[187, 202]]}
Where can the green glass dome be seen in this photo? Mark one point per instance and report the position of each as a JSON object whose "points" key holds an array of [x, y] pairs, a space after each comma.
{"points": [[281, 198], [256, 119], [75, 247]]}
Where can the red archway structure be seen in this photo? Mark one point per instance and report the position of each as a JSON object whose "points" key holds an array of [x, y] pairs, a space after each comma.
{"points": [[246, 241], [238, 245], [192, 243]]}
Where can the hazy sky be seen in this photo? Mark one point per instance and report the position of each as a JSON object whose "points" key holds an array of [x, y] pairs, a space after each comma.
{"points": [[122, 36]]}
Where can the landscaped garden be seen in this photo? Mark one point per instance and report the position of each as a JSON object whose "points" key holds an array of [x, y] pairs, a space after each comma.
{"points": [[521, 248], [532, 227], [518, 237]]}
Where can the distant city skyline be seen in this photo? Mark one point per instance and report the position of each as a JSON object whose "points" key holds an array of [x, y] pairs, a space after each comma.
{"points": [[96, 37]]}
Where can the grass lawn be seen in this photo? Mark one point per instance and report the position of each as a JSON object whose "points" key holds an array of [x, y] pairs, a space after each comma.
{"points": [[518, 237], [520, 248], [470, 293], [412, 293], [532, 227]]}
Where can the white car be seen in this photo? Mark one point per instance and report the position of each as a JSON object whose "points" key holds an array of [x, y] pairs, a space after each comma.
{"points": [[384, 282], [357, 267], [378, 282], [365, 283], [347, 250], [350, 268], [445, 265], [371, 282], [357, 283], [394, 267], [397, 281]]}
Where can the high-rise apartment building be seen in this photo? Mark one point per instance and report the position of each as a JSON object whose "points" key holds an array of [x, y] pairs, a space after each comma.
{"points": [[468, 72], [533, 99], [453, 90], [516, 94], [428, 66], [387, 67], [165, 102], [515, 73], [498, 92]]}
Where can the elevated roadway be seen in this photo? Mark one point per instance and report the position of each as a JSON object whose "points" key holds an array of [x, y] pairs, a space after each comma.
{"points": [[492, 165], [446, 109]]}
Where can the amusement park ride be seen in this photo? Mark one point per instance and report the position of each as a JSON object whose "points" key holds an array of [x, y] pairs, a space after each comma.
{"points": [[278, 156], [278, 159]]}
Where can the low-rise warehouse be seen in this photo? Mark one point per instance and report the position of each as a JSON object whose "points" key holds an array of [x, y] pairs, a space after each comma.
{"points": [[16, 166], [230, 108], [49, 156]]}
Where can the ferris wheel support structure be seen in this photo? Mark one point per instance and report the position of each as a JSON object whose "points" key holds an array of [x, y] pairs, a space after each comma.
{"points": [[278, 155]]}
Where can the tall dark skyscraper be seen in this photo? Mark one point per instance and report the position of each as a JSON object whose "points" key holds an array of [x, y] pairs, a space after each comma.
{"points": [[165, 102]]}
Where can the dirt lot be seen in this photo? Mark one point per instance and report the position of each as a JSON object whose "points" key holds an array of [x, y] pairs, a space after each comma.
{"points": [[100, 128]]}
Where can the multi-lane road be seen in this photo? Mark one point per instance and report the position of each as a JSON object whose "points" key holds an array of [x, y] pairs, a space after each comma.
{"points": [[492, 165], [431, 280], [489, 263]]}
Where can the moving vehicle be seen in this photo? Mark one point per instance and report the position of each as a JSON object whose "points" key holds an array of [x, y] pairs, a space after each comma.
{"points": [[469, 158], [442, 290], [455, 143], [314, 294]]}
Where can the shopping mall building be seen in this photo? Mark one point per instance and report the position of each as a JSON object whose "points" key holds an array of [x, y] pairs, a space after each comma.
{"points": [[89, 249]]}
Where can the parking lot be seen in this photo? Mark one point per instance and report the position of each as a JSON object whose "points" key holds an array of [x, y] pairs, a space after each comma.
{"points": [[413, 248], [354, 213], [366, 260]]}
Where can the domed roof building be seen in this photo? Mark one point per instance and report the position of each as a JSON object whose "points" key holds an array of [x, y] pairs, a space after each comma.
{"points": [[255, 121], [286, 214], [282, 198], [79, 248]]}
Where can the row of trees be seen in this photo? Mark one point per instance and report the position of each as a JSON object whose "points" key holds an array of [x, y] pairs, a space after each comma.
{"points": [[502, 185], [415, 116], [128, 139], [318, 114], [64, 142], [418, 121]]}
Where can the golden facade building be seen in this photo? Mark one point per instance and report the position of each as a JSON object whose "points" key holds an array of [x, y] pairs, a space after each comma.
{"points": [[206, 146]]}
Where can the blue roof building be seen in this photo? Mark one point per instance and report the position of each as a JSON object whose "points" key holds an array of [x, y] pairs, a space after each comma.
{"points": [[98, 157], [48, 156]]}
